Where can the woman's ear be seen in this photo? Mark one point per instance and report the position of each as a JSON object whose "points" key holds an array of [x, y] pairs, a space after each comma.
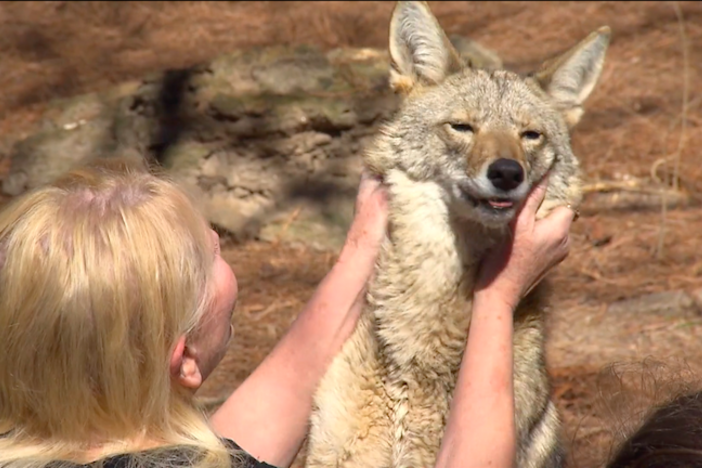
{"points": [[183, 366]]}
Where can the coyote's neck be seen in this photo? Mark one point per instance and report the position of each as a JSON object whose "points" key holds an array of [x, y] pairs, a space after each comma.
{"points": [[421, 296]]}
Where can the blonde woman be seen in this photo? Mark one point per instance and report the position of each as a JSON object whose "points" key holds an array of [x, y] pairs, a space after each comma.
{"points": [[115, 306]]}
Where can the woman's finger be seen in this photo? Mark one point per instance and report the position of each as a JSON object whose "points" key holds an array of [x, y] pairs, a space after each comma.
{"points": [[557, 223], [527, 212], [538, 192]]}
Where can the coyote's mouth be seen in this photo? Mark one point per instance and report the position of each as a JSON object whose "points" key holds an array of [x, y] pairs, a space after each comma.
{"points": [[499, 204], [492, 205], [495, 206]]}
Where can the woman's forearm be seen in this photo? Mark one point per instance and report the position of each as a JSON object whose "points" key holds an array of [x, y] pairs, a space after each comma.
{"points": [[270, 423], [480, 431]]}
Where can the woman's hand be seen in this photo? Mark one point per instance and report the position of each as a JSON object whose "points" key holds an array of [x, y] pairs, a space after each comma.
{"points": [[370, 216], [535, 247]]}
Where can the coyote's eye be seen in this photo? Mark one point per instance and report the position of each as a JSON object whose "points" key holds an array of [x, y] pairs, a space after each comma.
{"points": [[531, 135], [461, 127]]}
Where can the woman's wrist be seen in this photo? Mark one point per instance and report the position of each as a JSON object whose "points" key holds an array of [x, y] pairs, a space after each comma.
{"points": [[358, 259], [496, 297], [363, 241]]}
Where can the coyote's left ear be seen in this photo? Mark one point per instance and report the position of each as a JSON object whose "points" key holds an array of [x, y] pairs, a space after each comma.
{"points": [[420, 52], [570, 78]]}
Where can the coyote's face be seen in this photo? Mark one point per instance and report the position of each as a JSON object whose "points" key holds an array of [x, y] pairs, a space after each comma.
{"points": [[485, 137]]}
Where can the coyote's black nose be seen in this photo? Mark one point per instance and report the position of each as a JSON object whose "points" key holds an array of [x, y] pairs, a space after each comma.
{"points": [[505, 174]]}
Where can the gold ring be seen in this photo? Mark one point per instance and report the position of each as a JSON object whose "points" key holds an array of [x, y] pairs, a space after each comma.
{"points": [[577, 212]]}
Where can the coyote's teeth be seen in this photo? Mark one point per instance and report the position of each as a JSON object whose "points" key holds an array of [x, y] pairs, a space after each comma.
{"points": [[500, 203]]}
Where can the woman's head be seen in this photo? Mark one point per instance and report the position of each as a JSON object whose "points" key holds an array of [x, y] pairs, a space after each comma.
{"points": [[113, 304]]}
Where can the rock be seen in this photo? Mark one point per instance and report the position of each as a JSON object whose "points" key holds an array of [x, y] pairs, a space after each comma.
{"points": [[652, 325], [268, 140], [48, 154], [480, 57], [322, 228]]}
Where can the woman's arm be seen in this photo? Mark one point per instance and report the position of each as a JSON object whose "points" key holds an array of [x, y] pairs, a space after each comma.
{"points": [[481, 430], [268, 414]]}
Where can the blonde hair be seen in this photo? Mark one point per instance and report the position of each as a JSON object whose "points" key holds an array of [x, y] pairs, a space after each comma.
{"points": [[100, 273]]}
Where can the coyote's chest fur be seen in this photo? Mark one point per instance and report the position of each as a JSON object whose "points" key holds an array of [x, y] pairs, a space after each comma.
{"points": [[419, 307], [420, 298]]}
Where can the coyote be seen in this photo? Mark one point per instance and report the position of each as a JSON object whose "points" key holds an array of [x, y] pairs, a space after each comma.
{"points": [[459, 157]]}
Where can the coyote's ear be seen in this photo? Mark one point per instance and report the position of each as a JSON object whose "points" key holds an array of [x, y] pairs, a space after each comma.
{"points": [[420, 52], [570, 78]]}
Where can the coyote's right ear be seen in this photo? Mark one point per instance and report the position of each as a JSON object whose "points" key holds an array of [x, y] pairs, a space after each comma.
{"points": [[420, 52], [570, 78]]}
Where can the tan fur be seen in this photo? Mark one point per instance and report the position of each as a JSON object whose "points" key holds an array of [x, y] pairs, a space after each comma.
{"points": [[386, 396]]}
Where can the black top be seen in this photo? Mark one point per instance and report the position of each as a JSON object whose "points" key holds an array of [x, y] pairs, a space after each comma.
{"points": [[244, 460], [248, 460]]}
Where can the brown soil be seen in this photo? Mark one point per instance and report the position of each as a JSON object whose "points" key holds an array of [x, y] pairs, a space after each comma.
{"points": [[644, 114]]}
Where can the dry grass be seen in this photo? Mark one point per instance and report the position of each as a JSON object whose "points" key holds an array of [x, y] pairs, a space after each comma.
{"points": [[638, 122], [613, 257]]}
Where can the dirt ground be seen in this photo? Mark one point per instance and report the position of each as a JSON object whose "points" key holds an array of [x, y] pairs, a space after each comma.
{"points": [[642, 120]]}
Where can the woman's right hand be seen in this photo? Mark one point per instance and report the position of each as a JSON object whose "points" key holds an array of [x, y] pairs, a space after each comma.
{"points": [[513, 268]]}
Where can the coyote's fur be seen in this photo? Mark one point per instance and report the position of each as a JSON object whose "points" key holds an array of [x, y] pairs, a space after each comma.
{"points": [[458, 158]]}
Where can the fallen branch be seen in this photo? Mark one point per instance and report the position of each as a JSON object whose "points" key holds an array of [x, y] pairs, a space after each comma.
{"points": [[630, 195]]}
